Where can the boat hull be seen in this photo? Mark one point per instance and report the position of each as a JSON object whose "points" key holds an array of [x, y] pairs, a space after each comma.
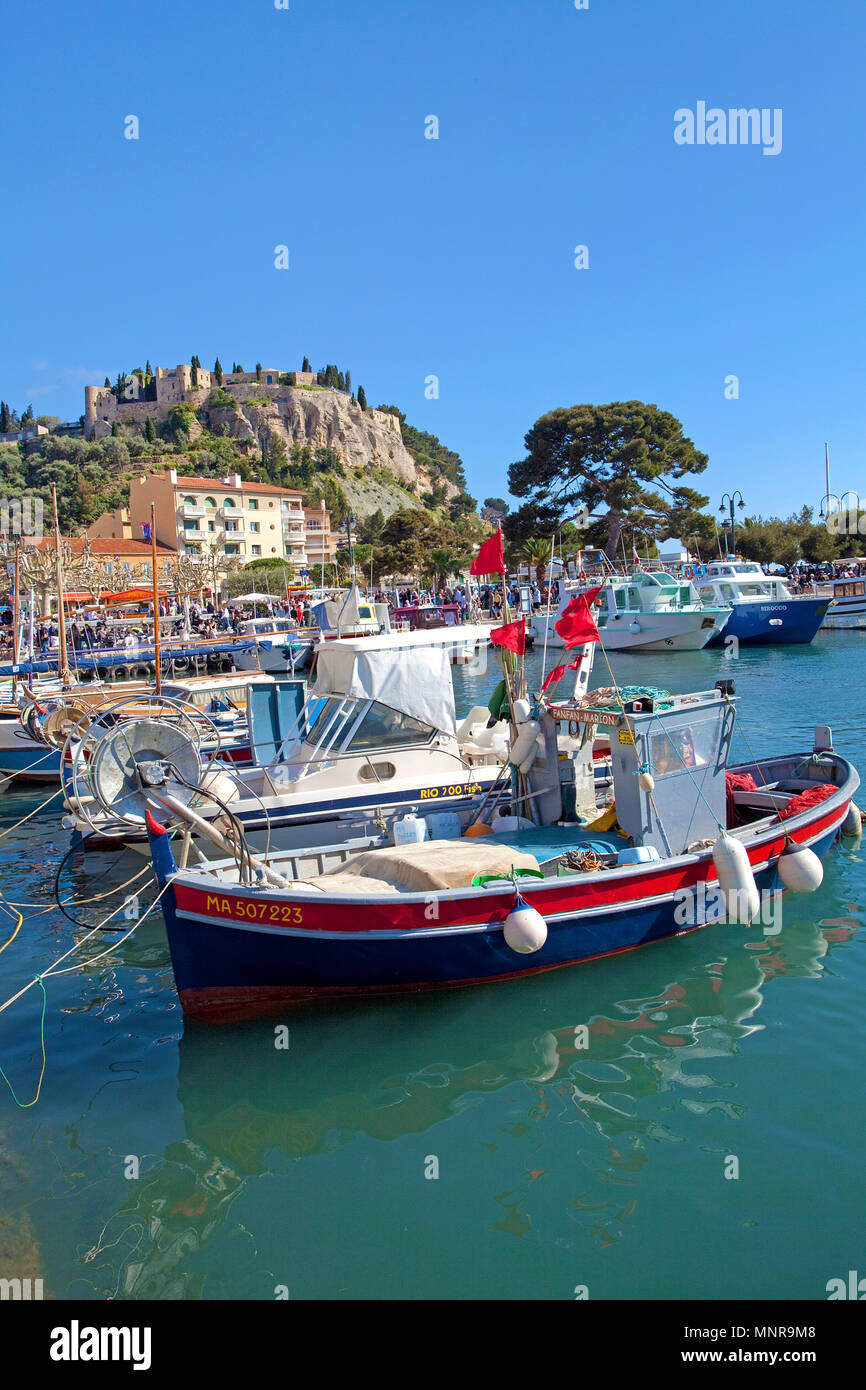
{"points": [[657, 632], [774, 622], [238, 951]]}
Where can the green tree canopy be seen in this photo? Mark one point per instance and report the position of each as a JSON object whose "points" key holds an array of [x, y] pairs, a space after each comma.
{"points": [[625, 457]]}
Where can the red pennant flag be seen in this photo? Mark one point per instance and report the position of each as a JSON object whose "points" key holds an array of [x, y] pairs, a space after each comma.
{"points": [[512, 636], [559, 671], [490, 559], [576, 624]]}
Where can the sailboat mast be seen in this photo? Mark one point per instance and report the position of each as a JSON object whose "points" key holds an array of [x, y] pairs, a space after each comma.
{"points": [[65, 673], [15, 617], [155, 599]]}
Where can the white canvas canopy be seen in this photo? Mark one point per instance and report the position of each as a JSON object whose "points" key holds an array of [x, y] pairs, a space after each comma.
{"points": [[340, 612], [411, 676], [251, 598]]}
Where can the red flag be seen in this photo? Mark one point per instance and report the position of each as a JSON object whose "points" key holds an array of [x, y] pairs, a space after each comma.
{"points": [[576, 624], [490, 559], [559, 671], [512, 636]]}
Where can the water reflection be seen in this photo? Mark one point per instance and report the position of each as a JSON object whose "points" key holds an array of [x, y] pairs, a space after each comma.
{"points": [[592, 1048]]}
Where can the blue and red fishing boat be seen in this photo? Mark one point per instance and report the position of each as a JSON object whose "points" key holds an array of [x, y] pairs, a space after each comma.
{"points": [[688, 842]]}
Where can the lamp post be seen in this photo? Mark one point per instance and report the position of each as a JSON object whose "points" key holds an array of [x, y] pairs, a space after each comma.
{"points": [[731, 499]]}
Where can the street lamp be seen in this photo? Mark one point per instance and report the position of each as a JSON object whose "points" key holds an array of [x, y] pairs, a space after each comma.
{"points": [[731, 498]]}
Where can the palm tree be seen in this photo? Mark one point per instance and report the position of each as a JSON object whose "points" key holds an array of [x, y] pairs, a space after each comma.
{"points": [[537, 554]]}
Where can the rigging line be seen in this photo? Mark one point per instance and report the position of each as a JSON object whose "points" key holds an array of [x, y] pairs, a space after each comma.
{"points": [[10, 776], [10, 828], [17, 928], [25, 1104], [77, 944]]}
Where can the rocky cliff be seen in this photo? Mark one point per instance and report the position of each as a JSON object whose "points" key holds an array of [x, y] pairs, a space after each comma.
{"points": [[321, 419]]}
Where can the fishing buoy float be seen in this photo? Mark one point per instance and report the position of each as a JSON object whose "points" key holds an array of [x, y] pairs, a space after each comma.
{"points": [[853, 822], [736, 879], [800, 869], [524, 750], [524, 929], [645, 779]]}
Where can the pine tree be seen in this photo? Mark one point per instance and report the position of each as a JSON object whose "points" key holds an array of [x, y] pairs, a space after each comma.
{"points": [[239, 368], [218, 372], [4, 418], [107, 382], [362, 398]]}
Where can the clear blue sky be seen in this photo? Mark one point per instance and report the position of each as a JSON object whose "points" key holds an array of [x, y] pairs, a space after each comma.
{"points": [[452, 257]]}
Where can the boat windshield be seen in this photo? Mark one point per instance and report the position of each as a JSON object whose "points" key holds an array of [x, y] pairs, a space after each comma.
{"points": [[380, 726]]}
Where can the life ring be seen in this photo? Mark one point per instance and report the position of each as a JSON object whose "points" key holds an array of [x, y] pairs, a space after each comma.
{"points": [[689, 571]]}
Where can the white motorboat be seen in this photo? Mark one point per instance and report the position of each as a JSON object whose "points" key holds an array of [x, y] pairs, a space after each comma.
{"points": [[653, 612]]}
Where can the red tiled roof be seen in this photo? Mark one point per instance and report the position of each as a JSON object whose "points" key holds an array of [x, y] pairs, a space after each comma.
{"points": [[105, 546], [219, 485]]}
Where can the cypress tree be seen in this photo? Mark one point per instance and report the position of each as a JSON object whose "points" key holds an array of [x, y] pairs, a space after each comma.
{"points": [[218, 372], [4, 417], [362, 398], [306, 367], [258, 371], [349, 382], [150, 430]]}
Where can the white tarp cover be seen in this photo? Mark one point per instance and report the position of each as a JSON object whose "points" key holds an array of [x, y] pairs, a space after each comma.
{"points": [[413, 679]]}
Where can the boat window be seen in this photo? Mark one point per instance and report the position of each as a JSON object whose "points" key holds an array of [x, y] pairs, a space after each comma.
{"points": [[620, 598], [384, 726], [683, 749], [377, 772]]}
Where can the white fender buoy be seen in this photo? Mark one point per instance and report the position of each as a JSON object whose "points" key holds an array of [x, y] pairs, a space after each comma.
{"points": [[736, 880], [524, 749], [646, 781], [800, 869], [521, 709], [853, 822], [634, 628], [524, 929]]}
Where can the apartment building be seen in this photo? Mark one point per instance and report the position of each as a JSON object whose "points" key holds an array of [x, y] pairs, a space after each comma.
{"points": [[320, 541]]}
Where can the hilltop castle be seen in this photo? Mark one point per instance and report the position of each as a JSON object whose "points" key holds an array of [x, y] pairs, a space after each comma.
{"points": [[170, 387]]}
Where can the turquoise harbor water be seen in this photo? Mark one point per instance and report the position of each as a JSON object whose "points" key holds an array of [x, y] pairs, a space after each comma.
{"points": [[306, 1168]]}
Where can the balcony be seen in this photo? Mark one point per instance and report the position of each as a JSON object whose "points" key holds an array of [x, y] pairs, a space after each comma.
{"points": [[237, 534], [193, 533], [187, 511]]}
